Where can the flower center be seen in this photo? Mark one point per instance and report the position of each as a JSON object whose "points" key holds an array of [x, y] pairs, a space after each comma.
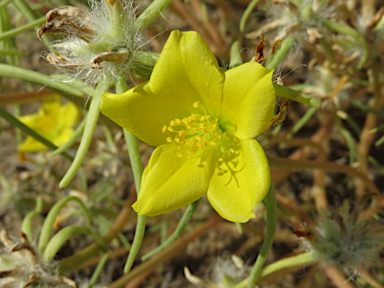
{"points": [[194, 133]]}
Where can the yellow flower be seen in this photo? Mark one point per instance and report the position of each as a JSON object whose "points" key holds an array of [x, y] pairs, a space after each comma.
{"points": [[53, 121], [203, 123]]}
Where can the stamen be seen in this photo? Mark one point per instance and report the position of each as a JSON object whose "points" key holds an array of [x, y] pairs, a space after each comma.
{"points": [[195, 133]]}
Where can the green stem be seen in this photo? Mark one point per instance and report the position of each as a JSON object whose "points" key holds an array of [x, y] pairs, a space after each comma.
{"points": [[42, 79], [269, 236], [276, 58], [79, 258], [26, 10], [288, 93], [246, 14], [51, 217], [63, 235], [308, 115], [98, 269], [297, 260], [179, 230], [27, 226], [147, 58], [150, 13], [343, 29], [90, 125], [135, 158], [72, 140], [5, 3], [24, 128], [136, 243], [12, 53], [137, 168], [12, 33], [235, 55]]}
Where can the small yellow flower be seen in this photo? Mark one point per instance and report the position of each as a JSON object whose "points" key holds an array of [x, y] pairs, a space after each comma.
{"points": [[203, 122], [53, 121]]}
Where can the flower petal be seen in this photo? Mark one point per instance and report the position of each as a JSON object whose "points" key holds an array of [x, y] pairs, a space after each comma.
{"points": [[170, 182], [249, 100], [240, 180], [186, 72]]}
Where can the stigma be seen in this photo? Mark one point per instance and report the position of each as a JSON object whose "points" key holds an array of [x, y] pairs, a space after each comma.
{"points": [[195, 133]]}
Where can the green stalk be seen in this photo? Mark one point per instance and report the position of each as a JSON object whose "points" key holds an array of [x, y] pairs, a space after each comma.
{"points": [[297, 260], [51, 217], [147, 58], [26, 10], [4, 53], [308, 115], [98, 269], [90, 125], [179, 230], [42, 79], [343, 29], [5, 3], [136, 243], [293, 95], [27, 226], [150, 13], [64, 234], [271, 216], [12, 33], [235, 55], [25, 129], [137, 169], [246, 14], [276, 58], [72, 140]]}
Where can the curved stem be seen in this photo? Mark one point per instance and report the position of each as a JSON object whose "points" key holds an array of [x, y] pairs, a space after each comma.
{"points": [[137, 168], [270, 200], [297, 260], [51, 217], [72, 262], [42, 79], [90, 125], [246, 13], [26, 226], [12, 33], [63, 235], [72, 140], [179, 229], [176, 248], [150, 13]]}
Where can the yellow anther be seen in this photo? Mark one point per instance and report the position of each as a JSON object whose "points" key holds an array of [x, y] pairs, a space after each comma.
{"points": [[197, 132], [182, 134]]}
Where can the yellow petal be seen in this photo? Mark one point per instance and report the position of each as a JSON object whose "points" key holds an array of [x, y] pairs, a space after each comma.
{"points": [[249, 100], [32, 145], [240, 180], [53, 121], [170, 182], [70, 114], [186, 72]]}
